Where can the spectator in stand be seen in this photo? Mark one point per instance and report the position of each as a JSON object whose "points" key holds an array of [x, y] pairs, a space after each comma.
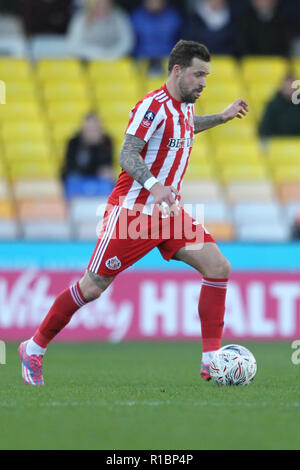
{"points": [[265, 30], [90, 152], [157, 28], [100, 30], [281, 116], [213, 23], [45, 16]]}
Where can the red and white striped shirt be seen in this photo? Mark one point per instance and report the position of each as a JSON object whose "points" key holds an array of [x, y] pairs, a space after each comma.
{"points": [[167, 127]]}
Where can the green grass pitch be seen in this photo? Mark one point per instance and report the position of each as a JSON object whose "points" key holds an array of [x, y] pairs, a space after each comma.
{"points": [[148, 396]]}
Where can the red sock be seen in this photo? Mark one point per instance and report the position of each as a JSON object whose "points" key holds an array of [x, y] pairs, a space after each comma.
{"points": [[211, 312], [59, 315]]}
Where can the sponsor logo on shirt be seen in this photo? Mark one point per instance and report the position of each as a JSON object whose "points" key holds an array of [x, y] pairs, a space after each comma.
{"points": [[148, 118], [180, 143]]}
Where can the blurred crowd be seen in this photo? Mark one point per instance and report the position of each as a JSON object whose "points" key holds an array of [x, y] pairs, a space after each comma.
{"points": [[107, 29]]}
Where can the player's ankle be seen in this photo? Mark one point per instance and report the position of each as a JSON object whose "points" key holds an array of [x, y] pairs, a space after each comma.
{"points": [[32, 348]]}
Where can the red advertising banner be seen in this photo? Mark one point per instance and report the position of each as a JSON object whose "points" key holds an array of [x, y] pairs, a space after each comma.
{"points": [[152, 305]]}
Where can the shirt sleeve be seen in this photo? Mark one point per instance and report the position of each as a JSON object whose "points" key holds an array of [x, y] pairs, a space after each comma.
{"points": [[145, 118]]}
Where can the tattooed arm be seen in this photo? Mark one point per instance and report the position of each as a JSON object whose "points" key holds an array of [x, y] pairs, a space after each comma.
{"points": [[201, 123], [238, 109], [132, 162]]}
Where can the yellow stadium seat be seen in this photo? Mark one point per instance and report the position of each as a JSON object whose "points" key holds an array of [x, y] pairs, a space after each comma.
{"points": [[20, 111], [3, 169], [115, 111], [24, 130], [59, 69], [65, 91], [34, 169], [266, 69], [284, 146], [17, 90], [200, 170], [286, 172], [222, 92], [123, 69], [27, 150], [15, 69], [243, 171], [223, 68], [69, 111], [236, 130], [7, 210], [238, 152], [120, 92], [63, 131], [261, 93]]}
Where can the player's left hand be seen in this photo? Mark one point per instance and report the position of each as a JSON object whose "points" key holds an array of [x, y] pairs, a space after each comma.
{"points": [[238, 108]]}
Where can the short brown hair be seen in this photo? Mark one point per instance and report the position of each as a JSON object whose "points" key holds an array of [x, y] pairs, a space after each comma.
{"points": [[184, 51]]}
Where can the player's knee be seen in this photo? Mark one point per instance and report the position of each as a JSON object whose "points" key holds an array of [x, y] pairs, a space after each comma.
{"points": [[221, 269], [92, 285], [91, 292]]}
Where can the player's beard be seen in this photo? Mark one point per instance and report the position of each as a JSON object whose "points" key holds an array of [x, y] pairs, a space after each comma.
{"points": [[187, 95]]}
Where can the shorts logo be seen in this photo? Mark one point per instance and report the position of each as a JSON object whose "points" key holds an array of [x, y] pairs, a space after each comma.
{"points": [[113, 263], [148, 118]]}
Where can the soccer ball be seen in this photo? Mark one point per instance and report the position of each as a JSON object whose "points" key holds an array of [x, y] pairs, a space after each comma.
{"points": [[233, 365]]}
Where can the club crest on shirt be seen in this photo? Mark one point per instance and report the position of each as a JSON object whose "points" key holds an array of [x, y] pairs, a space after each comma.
{"points": [[113, 263], [148, 118]]}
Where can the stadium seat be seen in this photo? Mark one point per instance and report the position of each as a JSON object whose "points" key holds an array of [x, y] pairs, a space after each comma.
{"points": [[289, 191], [283, 173], [201, 190], [21, 111], [291, 211], [222, 231], [24, 131], [48, 45], [42, 210], [32, 170], [263, 232], [243, 171], [217, 211], [223, 68], [5, 190], [235, 152], [285, 148], [268, 69], [87, 186], [7, 210], [17, 90], [199, 171], [87, 231], [65, 90], [87, 209], [27, 151], [47, 230], [68, 111], [256, 212], [236, 130], [38, 189], [12, 69], [59, 69], [9, 229], [247, 191], [101, 71]]}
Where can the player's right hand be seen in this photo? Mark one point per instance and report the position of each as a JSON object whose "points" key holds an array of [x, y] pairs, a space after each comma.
{"points": [[164, 197]]}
